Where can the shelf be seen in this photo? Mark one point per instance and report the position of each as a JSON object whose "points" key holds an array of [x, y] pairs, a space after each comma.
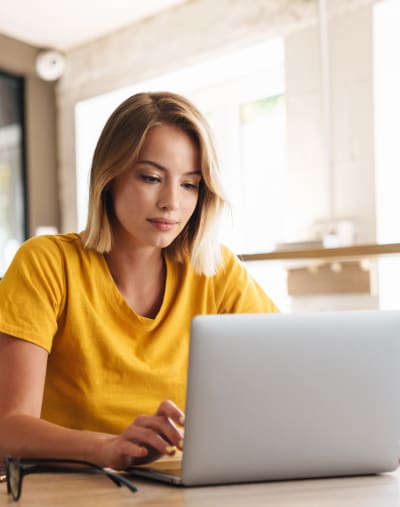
{"points": [[325, 253]]}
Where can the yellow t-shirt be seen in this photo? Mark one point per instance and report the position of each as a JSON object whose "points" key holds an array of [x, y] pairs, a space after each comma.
{"points": [[106, 363]]}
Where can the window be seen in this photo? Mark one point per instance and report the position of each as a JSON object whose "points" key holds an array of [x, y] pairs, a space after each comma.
{"points": [[12, 174], [262, 173]]}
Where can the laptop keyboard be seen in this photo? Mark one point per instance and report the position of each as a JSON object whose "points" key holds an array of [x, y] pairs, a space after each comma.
{"points": [[170, 467]]}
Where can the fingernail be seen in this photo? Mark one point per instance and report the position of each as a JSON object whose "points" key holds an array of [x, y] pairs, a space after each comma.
{"points": [[182, 420], [170, 449], [180, 445]]}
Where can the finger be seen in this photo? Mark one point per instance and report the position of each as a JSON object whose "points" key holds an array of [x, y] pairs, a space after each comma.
{"points": [[163, 426], [168, 409], [148, 437], [132, 449], [123, 453]]}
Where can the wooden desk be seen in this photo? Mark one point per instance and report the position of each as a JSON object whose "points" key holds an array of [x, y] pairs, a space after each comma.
{"points": [[50, 490]]}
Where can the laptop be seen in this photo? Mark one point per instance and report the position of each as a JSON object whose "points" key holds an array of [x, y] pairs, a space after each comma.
{"points": [[289, 396]]}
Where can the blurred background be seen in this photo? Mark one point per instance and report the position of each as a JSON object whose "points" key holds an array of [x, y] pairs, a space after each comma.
{"points": [[302, 97]]}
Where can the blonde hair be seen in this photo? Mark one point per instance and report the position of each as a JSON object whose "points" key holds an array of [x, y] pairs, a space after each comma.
{"points": [[118, 148]]}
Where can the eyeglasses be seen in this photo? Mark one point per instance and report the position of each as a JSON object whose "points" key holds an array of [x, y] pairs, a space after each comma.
{"points": [[16, 468]]}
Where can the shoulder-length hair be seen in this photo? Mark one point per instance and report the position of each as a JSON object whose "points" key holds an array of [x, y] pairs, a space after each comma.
{"points": [[118, 149]]}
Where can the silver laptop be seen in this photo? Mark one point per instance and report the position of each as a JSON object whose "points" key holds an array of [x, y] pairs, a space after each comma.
{"points": [[278, 396]]}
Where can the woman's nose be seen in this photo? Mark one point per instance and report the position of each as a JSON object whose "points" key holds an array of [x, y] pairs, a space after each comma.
{"points": [[168, 198]]}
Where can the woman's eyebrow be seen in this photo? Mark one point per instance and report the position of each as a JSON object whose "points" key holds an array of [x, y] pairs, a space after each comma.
{"points": [[195, 172]]}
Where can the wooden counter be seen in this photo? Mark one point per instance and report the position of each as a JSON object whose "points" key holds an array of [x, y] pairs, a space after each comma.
{"points": [[50, 490], [326, 253]]}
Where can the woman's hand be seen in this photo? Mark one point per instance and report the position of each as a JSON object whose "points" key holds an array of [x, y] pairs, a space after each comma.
{"points": [[24, 433], [148, 438]]}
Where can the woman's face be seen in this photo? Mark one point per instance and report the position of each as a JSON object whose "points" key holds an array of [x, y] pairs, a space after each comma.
{"points": [[154, 200]]}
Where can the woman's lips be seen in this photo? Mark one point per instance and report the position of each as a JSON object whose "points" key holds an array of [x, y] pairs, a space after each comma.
{"points": [[162, 224]]}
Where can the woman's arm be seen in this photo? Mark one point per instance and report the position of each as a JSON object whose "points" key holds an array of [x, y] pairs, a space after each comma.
{"points": [[23, 433]]}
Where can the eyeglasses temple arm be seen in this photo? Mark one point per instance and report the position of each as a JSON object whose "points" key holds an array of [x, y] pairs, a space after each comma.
{"points": [[117, 479]]}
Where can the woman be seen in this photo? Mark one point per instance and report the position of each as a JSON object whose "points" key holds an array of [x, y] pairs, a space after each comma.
{"points": [[94, 327]]}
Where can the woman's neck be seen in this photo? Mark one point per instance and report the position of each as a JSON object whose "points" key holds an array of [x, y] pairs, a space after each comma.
{"points": [[140, 275]]}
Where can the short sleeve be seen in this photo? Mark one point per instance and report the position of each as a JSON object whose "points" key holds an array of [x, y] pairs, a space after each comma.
{"points": [[32, 292], [237, 291]]}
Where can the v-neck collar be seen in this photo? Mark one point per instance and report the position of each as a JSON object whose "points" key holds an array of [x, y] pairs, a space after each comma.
{"points": [[115, 295]]}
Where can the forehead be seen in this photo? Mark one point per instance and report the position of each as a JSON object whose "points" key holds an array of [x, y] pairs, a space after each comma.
{"points": [[166, 142], [168, 132]]}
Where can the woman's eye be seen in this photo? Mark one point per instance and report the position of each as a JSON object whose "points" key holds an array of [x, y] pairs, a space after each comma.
{"points": [[149, 179], [190, 186]]}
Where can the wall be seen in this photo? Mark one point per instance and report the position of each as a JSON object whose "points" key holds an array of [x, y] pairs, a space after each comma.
{"points": [[343, 187], [40, 119]]}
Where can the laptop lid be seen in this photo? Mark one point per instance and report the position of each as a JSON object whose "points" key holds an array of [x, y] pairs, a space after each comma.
{"points": [[278, 396]]}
